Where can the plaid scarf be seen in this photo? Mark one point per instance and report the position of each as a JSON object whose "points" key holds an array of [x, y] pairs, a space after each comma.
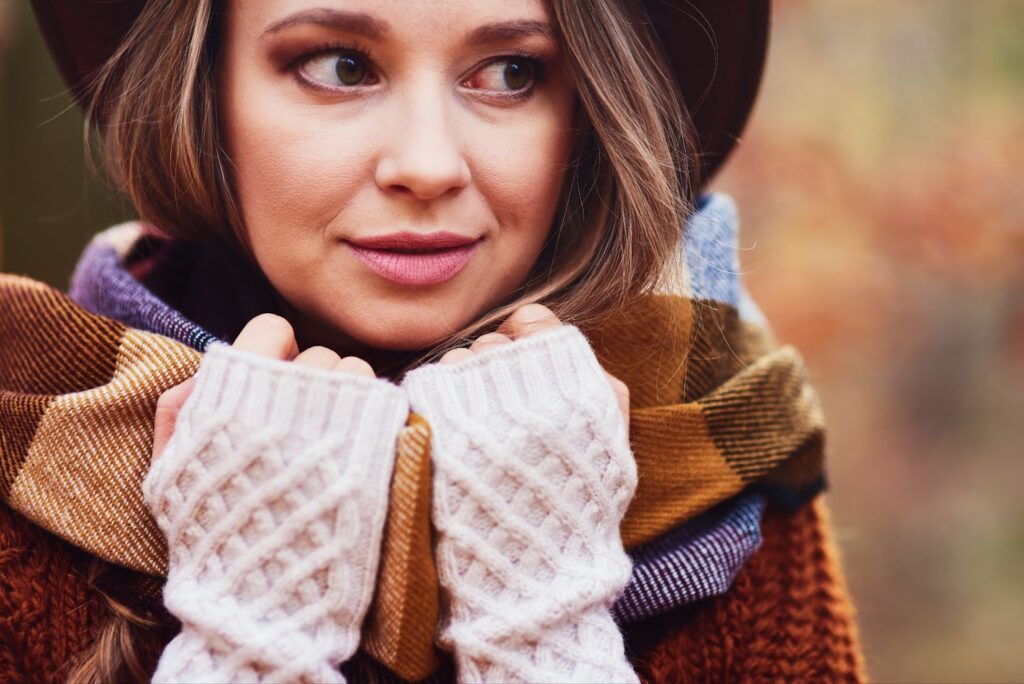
{"points": [[722, 420]]}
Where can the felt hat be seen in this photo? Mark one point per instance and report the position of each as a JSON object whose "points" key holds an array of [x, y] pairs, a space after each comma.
{"points": [[716, 48]]}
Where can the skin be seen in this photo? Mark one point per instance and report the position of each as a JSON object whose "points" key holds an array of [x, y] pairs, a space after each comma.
{"points": [[431, 142], [433, 138]]}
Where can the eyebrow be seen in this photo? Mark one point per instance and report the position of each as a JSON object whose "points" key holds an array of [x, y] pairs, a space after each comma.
{"points": [[358, 23], [373, 28], [508, 30]]}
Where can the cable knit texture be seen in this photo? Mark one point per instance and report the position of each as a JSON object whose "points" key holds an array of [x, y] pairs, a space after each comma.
{"points": [[533, 473], [272, 494]]}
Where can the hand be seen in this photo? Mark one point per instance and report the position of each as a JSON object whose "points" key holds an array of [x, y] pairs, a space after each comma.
{"points": [[532, 473], [523, 322], [272, 494], [265, 335]]}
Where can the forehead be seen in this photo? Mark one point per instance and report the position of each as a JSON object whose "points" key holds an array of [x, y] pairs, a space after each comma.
{"points": [[385, 19]]}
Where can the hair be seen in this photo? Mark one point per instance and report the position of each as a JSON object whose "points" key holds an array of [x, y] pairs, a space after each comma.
{"points": [[128, 646], [625, 198]]}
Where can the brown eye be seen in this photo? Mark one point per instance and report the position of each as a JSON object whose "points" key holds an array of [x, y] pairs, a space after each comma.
{"points": [[506, 76], [338, 69], [350, 69], [518, 73]]}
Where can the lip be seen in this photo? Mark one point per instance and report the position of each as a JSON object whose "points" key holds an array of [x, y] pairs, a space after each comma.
{"points": [[415, 258], [438, 240]]}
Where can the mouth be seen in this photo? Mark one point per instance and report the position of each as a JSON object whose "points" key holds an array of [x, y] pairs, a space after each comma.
{"points": [[415, 259]]}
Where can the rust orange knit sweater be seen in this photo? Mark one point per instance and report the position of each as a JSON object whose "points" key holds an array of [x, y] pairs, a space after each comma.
{"points": [[786, 619]]}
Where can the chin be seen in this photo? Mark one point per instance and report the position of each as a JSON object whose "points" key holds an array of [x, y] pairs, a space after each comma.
{"points": [[393, 340], [422, 328]]}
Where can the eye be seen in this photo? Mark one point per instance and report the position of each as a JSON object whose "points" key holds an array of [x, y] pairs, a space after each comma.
{"points": [[505, 75], [338, 69]]}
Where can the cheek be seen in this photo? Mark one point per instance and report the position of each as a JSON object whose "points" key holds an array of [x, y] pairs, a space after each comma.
{"points": [[520, 170], [294, 171]]}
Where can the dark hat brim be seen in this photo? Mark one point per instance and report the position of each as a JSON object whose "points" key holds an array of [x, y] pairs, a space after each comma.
{"points": [[716, 48]]}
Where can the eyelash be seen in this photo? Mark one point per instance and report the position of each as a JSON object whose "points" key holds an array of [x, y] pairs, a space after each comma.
{"points": [[538, 63]]}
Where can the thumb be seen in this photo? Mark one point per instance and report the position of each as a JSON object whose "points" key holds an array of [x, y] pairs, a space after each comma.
{"points": [[167, 408]]}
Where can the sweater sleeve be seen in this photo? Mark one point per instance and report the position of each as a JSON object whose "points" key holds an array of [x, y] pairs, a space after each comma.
{"points": [[272, 493], [532, 475]]}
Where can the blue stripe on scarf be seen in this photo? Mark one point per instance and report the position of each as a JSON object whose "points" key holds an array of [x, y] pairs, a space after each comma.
{"points": [[698, 559]]}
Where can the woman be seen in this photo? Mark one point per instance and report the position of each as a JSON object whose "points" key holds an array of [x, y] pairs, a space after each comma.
{"points": [[404, 215]]}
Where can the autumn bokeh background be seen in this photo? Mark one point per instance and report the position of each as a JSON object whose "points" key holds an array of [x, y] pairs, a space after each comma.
{"points": [[881, 188]]}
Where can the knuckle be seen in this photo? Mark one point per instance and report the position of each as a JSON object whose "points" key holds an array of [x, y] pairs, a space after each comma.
{"points": [[529, 318], [274, 326], [493, 337], [165, 402], [268, 335], [171, 399], [321, 355], [453, 355], [532, 313], [354, 364]]}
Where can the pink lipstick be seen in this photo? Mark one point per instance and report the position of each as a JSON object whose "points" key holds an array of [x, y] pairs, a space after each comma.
{"points": [[415, 258]]}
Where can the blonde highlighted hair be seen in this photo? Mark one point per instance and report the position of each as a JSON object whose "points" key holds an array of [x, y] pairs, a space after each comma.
{"points": [[627, 192]]}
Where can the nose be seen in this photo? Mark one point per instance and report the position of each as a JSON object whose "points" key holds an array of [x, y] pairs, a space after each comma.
{"points": [[424, 157]]}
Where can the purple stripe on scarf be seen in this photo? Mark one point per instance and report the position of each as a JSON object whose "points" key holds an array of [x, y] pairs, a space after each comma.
{"points": [[101, 285], [694, 561]]}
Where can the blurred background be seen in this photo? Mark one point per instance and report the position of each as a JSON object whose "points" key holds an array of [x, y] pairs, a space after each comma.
{"points": [[881, 189]]}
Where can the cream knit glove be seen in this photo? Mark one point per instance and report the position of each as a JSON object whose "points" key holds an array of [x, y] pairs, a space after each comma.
{"points": [[532, 475], [272, 493]]}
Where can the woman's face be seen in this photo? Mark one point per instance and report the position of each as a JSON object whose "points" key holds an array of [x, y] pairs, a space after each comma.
{"points": [[398, 162]]}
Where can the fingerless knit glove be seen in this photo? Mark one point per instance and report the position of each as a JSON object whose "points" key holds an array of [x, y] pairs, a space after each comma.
{"points": [[272, 493], [532, 475]]}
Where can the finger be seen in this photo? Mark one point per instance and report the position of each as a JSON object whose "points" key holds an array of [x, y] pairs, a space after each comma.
{"points": [[527, 320], [488, 341], [456, 355], [268, 335], [318, 357], [168, 406], [354, 365]]}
